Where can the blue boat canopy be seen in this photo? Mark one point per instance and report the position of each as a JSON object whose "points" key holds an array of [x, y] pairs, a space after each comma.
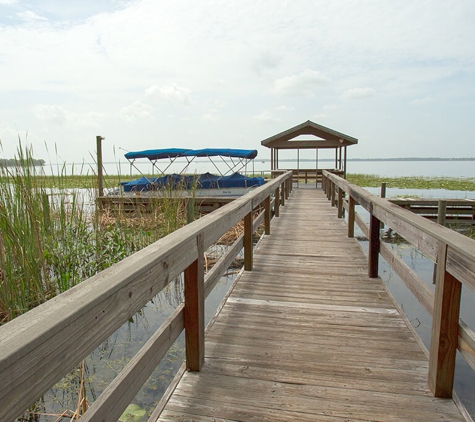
{"points": [[156, 154]]}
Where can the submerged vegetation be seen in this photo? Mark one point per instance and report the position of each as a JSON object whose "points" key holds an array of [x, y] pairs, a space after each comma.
{"points": [[52, 235], [414, 182]]}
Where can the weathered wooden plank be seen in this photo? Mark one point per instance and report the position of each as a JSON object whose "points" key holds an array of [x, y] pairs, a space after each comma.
{"points": [[41, 346], [293, 341], [466, 344], [319, 401], [462, 266]]}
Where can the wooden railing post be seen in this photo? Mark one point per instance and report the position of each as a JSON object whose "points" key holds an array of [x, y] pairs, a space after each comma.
{"points": [[340, 202], [445, 323], [333, 194], [277, 203], [324, 183], [441, 212], [195, 311], [248, 252], [282, 191], [351, 217], [267, 215], [373, 253], [190, 210]]}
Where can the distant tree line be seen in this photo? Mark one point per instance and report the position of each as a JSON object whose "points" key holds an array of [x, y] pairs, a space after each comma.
{"points": [[12, 162]]}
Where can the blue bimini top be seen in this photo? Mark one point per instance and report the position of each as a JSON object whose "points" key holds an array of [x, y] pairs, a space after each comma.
{"points": [[157, 154]]}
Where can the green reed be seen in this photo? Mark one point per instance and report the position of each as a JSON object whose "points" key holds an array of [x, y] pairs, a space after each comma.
{"points": [[53, 236]]}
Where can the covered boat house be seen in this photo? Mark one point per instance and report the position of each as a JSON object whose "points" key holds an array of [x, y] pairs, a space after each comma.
{"points": [[309, 135]]}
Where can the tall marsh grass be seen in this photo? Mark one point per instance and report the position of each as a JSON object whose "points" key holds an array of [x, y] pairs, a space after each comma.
{"points": [[53, 236]]}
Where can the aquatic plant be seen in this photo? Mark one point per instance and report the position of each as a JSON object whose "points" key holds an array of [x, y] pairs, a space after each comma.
{"points": [[52, 235], [413, 182]]}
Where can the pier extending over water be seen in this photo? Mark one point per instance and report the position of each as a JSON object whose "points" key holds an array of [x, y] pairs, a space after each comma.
{"points": [[308, 332]]}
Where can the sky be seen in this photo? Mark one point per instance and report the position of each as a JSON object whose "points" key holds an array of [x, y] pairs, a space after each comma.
{"points": [[397, 75]]}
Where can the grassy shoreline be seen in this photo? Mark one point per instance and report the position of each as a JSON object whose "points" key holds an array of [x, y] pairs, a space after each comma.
{"points": [[363, 180], [413, 182]]}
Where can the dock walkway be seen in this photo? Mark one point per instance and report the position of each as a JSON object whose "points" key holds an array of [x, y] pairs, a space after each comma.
{"points": [[308, 336]]}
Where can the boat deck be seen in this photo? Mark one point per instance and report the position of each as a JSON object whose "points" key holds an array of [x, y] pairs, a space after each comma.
{"points": [[307, 336]]}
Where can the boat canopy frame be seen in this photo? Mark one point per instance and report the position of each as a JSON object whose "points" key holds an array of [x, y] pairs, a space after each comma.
{"points": [[238, 159]]}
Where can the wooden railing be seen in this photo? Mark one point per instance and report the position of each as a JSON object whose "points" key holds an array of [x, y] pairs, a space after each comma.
{"points": [[306, 175], [453, 253], [38, 348]]}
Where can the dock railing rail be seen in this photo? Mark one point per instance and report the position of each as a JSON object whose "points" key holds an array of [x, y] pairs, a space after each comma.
{"points": [[453, 253], [38, 348]]}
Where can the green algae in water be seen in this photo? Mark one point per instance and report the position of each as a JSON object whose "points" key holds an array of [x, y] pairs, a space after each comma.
{"points": [[133, 413]]}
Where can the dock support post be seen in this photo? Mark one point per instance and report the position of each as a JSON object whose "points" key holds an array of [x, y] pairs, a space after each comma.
{"points": [[195, 310], [277, 203], [248, 242], [340, 202], [441, 212], [445, 323], [351, 217], [373, 253], [267, 216], [190, 210], [383, 190]]}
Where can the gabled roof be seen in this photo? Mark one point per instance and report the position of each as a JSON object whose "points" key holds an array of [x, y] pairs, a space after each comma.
{"points": [[329, 138]]}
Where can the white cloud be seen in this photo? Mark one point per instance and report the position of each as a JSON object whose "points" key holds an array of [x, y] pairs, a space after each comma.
{"points": [[266, 116], [283, 108], [8, 1], [136, 111], [53, 113], [29, 16], [358, 93], [265, 60], [422, 101], [321, 116], [209, 117], [58, 115], [176, 95], [305, 83]]}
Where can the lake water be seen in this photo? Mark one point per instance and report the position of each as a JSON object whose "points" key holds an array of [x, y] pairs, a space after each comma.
{"points": [[383, 168]]}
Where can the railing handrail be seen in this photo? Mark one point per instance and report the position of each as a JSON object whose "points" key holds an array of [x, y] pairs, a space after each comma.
{"points": [[462, 244], [42, 345], [454, 255]]}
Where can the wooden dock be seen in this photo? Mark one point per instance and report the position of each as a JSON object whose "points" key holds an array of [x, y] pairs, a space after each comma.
{"points": [[308, 336]]}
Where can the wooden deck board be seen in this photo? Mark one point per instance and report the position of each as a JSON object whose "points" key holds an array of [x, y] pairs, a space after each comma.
{"points": [[308, 336]]}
